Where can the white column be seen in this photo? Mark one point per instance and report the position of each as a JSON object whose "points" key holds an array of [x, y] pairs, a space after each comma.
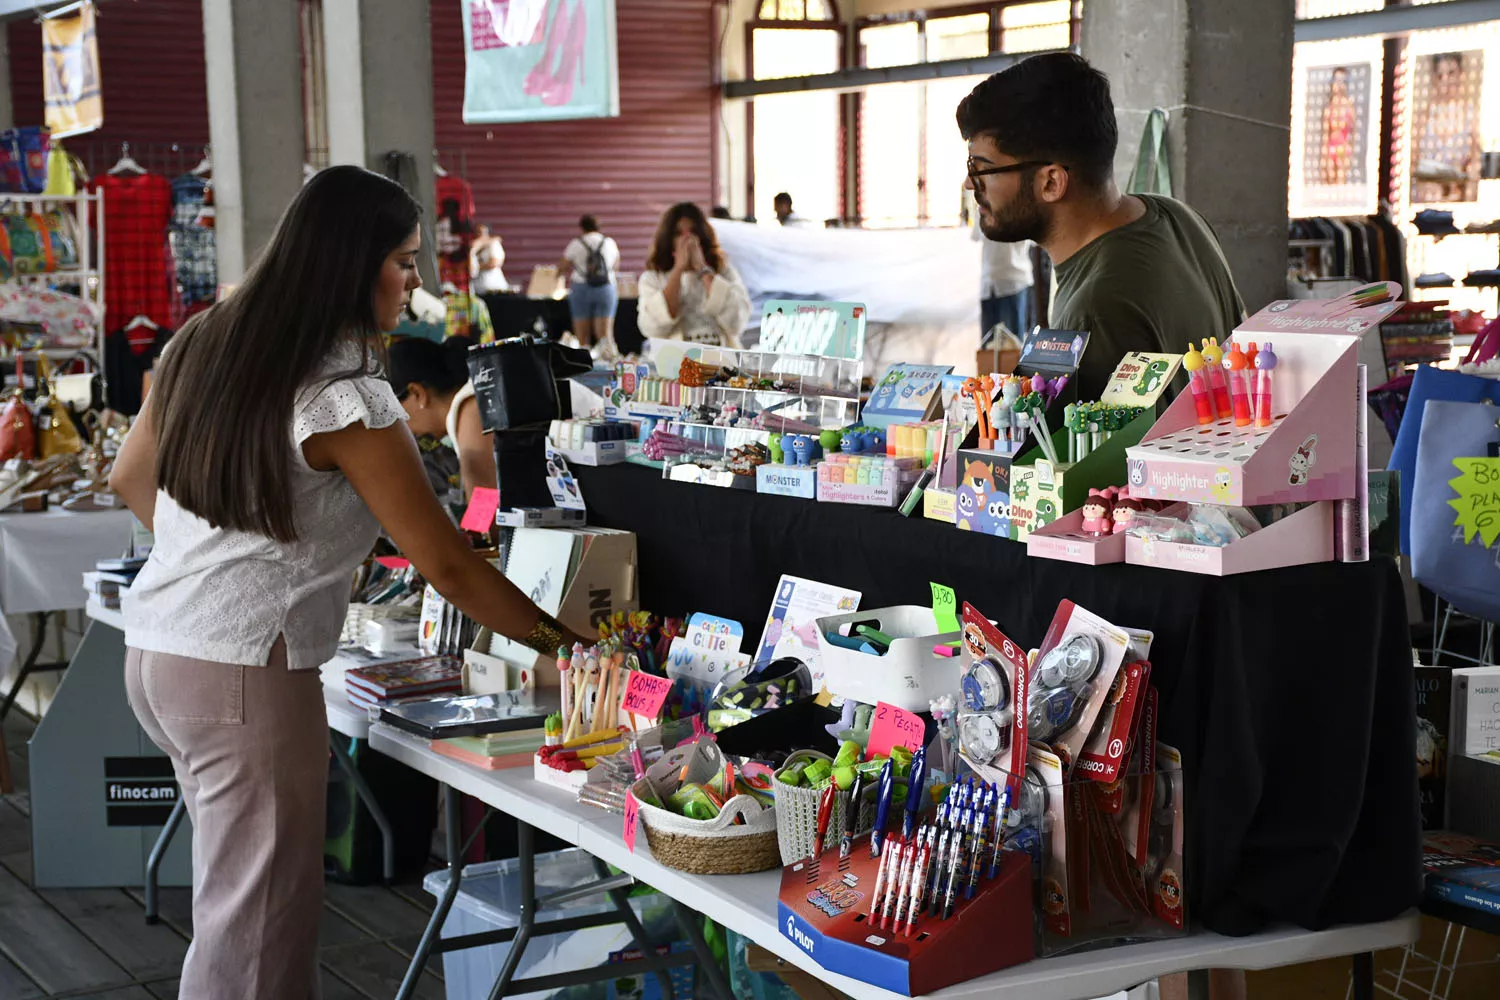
{"points": [[252, 52]]}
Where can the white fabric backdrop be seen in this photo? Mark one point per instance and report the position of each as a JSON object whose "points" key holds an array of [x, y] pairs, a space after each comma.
{"points": [[921, 285], [43, 556]]}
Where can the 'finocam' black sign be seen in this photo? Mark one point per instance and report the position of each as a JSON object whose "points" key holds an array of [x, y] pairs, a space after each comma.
{"points": [[138, 791]]}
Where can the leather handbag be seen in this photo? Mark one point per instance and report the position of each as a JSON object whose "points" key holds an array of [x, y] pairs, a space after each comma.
{"points": [[17, 429], [520, 382], [56, 432]]}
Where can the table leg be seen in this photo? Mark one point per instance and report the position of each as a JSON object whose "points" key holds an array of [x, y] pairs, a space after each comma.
{"points": [[526, 860], [1198, 985], [367, 796], [687, 920], [1364, 976], [38, 640], [453, 839], [637, 932], [159, 851]]}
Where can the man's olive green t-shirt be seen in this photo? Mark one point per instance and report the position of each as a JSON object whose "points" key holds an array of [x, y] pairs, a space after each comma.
{"points": [[1150, 285]]}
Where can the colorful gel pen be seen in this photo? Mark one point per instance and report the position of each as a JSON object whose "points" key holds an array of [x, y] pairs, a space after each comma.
{"points": [[1000, 819], [940, 859], [882, 876], [914, 791], [883, 794], [892, 877], [1193, 363], [1265, 364], [903, 884], [954, 873], [1213, 365], [851, 816], [976, 850], [825, 816], [938, 825]]}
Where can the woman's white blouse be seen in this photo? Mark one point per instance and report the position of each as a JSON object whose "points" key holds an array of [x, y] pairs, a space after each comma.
{"points": [[718, 317], [223, 595]]}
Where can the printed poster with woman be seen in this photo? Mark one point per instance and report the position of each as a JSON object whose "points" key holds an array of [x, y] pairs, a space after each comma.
{"points": [[1336, 126]]}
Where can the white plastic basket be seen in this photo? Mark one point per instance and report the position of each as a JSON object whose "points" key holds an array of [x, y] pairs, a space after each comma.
{"points": [[910, 675]]}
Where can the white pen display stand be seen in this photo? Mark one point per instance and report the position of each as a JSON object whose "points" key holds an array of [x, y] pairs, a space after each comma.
{"points": [[909, 675]]}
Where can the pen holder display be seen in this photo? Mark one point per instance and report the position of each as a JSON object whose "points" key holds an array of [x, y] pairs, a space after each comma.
{"points": [[825, 910], [908, 674], [797, 813], [739, 840]]}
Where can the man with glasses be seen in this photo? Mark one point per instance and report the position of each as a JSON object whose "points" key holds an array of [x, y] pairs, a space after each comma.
{"points": [[1138, 272]]}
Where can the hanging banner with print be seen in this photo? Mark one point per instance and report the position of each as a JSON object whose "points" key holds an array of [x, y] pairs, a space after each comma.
{"points": [[70, 68], [539, 60], [1445, 121]]}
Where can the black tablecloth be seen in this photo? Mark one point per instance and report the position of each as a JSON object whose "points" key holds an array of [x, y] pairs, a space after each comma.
{"points": [[1289, 692]]}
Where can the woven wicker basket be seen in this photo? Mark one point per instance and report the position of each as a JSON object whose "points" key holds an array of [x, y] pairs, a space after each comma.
{"points": [[719, 846], [797, 813]]}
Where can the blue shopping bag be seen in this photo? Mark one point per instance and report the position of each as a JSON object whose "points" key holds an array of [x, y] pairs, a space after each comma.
{"points": [[1428, 384], [1467, 574]]}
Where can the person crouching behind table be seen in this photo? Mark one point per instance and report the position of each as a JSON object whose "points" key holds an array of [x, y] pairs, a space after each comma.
{"points": [[266, 459], [689, 291], [431, 382]]}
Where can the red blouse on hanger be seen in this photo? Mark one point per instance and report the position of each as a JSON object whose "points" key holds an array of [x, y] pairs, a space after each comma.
{"points": [[138, 273]]}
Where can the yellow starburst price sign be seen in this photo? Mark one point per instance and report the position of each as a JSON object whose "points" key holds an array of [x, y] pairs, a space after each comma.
{"points": [[1478, 502]]}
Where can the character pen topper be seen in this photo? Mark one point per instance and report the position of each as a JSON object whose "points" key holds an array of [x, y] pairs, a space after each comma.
{"points": [[883, 794], [1265, 364], [914, 792], [1236, 367], [1213, 364], [1194, 364]]}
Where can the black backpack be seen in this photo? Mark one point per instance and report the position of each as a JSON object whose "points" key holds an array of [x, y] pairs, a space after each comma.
{"points": [[596, 268]]}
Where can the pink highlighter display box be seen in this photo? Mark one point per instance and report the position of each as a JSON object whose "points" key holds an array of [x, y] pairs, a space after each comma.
{"points": [[1302, 448]]}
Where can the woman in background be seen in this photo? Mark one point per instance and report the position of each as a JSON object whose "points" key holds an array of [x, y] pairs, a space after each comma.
{"points": [[590, 260], [689, 291], [266, 459], [431, 381]]}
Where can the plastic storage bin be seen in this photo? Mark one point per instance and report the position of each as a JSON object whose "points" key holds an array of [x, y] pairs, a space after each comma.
{"points": [[489, 899]]}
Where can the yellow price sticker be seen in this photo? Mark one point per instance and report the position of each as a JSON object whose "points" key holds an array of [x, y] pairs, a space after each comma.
{"points": [[1478, 502]]}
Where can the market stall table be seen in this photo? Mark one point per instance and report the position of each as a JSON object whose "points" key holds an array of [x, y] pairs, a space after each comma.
{"points": [[42, 558], [746, 904], [1289, 692]]}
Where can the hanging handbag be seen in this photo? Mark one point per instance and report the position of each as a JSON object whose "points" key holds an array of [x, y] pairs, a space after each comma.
{"points": [[1430, 384], [56, 434], [65, 172], [1152, 173], [521, 382], [17, 429], [1465, 573]]}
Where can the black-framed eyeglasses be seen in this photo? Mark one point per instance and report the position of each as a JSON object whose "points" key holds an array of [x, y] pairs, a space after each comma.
{"points": [[975, 170]]}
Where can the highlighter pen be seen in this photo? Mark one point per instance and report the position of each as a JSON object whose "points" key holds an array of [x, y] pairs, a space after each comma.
{"points": [[1265, 364], [883, 796], [851, 815], [903, 884], [1193, 363], [1213, 357], [914, 791], [825, 815]]}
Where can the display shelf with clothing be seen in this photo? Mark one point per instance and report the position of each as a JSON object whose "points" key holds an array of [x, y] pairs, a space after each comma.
{"points": [[1367, 248]]}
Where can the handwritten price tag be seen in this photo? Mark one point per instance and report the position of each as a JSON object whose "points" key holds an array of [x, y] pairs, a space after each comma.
{"points": [[632, 812], [1478, 503], [945, 608], [645, 694], [480, 517], [894, 726]]}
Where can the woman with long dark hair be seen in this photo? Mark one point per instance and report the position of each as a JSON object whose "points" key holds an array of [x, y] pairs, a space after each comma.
{"points": [[266, 459], [689, 291]]}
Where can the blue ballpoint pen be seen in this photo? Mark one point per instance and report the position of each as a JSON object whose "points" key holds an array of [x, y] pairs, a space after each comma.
{"points": [[882, 807], [914, 792]]}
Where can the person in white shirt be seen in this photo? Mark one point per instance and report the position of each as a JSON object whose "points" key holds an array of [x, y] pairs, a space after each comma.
{"points": [[782, 203], [591, 259], [689, 291], [266, 459], [486, 260]]}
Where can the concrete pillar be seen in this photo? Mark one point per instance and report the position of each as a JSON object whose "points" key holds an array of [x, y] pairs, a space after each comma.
{"points": [[378, 67], [252, 52], [1224, 71]]}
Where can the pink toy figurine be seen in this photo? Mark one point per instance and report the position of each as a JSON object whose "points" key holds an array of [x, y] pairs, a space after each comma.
{"points": [[1096, 514], [1213, 358], [1125, 510], [1265, 364]]}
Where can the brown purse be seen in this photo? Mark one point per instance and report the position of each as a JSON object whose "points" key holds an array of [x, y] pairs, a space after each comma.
{"points": [[17, 429]]}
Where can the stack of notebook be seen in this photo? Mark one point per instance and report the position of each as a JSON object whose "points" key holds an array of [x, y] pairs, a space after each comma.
{"points": [[110, 578], [387, 683], [494, 750]]}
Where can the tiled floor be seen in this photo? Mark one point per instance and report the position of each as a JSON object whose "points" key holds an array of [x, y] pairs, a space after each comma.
{"points": [[95, 943]]}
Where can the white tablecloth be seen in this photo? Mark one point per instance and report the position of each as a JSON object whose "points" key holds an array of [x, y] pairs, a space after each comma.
{"points": [[43, 556]]}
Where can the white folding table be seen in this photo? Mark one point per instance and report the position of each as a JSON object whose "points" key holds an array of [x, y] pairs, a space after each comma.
{"points": [[746, 904]]}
